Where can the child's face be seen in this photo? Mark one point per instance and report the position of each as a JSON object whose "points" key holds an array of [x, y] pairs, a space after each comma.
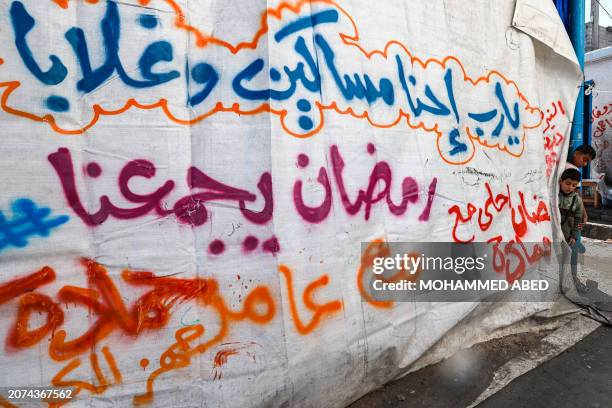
{"points": [[581, 159], [568, 186]]}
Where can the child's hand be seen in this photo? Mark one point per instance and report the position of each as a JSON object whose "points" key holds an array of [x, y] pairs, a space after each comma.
{"points": [[571, 242]]}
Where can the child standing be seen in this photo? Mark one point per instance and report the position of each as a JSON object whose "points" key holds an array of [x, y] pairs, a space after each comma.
{"points": [[570, 205], [578, 159]]}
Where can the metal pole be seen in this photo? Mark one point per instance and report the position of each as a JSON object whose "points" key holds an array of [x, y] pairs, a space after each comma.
{"points": [[595, 27], [577, 8]]}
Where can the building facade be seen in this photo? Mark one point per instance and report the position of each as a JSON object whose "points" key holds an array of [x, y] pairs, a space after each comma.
{"points": [[605, 37], [597, 68]]}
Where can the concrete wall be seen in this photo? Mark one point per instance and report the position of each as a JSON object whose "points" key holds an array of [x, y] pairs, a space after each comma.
{"points": [[605, 37]]}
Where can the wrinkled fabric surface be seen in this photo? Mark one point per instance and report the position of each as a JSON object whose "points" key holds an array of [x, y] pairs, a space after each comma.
{"points": [[186, 186]]}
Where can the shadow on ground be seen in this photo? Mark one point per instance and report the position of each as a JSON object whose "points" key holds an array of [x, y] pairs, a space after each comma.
{"points": [[454, 382], [581, 376]]}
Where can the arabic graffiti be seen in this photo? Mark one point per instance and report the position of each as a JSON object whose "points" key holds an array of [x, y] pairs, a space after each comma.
{"points": [[365, 198], [192, 210], [557, 124], [151, 311], [307, 77], [188, 210], [600, 120], [319, 311], [78, 385], [602, 138], [505, 249], [304, 67], [496, 204], [28, 220], [604, 156], [512, 258], [378, 248]]}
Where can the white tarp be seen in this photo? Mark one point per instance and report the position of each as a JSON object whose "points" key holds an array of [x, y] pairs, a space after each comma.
{"points": [[186, 186]]}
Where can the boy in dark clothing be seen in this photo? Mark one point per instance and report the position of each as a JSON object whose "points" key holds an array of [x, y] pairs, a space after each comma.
{"points": [[578, 159], [570, 205], [581, 157]]}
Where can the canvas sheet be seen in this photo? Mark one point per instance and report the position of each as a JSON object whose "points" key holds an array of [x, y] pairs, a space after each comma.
{"points": [[186, 186]]}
